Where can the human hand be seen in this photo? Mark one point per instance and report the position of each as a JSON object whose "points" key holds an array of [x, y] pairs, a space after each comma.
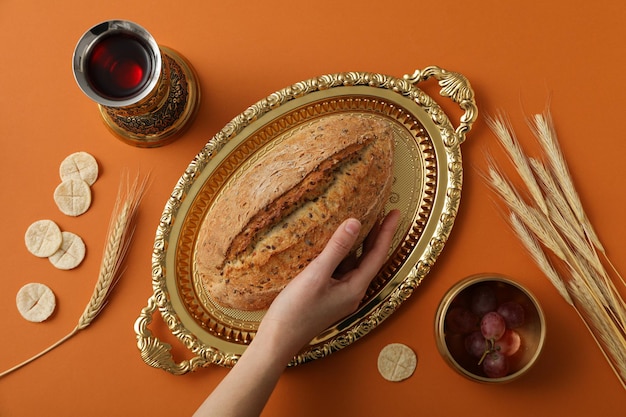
{"points": [[313, 300], [322, 294]]}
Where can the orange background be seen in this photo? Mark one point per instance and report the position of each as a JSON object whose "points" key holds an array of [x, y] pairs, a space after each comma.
{"points": [[517, 55]]}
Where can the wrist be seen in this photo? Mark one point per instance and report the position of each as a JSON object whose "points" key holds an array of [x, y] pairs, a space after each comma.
{"points": [[277, 342]]}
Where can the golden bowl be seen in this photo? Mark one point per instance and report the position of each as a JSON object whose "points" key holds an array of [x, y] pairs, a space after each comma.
{"points": [[453, 335]]}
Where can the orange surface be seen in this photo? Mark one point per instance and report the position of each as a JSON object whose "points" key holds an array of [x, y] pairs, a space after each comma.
{"points": [[518, 56]]}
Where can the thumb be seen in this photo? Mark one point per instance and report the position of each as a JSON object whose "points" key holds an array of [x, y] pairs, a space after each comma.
{"points": [[338, 247]]}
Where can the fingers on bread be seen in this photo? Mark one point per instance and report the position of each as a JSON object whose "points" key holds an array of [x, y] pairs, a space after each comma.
{"points": [[280, 213]]}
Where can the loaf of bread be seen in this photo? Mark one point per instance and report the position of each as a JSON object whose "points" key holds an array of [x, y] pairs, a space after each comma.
{"points": [[279, 214]]}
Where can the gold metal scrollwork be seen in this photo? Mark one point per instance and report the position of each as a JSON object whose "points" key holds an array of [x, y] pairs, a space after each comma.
{"points": [[455, 87], [156, 353]]}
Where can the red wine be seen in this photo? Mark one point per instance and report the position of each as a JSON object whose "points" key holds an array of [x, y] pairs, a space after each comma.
{"points": [[119, 66]]}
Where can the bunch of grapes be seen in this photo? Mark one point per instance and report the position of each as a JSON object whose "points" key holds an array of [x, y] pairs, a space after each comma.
{"points": [[489, 329]]}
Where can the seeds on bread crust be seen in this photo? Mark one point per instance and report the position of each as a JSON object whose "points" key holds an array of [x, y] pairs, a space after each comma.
{"points": [[277, 216]]}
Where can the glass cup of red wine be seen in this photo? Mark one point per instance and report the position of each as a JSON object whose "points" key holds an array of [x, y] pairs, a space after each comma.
{"points": [[490, 328], [147, 94]]}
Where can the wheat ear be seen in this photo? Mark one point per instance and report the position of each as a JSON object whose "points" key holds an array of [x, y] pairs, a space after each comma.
{"points": [[503, 129], [557, 223], [534, 249], [119, 237], [543, 128]]}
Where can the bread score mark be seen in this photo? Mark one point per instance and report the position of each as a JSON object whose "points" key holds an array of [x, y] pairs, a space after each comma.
{"points": [[309, 189], [287, 205]]}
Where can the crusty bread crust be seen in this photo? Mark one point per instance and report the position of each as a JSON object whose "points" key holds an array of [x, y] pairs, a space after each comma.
{"points": [[281, 212]]}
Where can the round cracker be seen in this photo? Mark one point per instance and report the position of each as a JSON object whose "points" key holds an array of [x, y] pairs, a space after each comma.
{"points": [[396, 362], [70, 254], [81, 166], [35, 302], [43, 238], [73, 197]]}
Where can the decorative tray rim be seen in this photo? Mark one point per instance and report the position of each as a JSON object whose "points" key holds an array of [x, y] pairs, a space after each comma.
{"points": [[439, 127]]}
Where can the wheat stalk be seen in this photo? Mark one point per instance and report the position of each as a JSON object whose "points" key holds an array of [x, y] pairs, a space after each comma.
{"points": [[557, 203], [118, 239], [602, 329], [554, 226], [539, 256], [543, 129], [529, 215], [503, 129]]}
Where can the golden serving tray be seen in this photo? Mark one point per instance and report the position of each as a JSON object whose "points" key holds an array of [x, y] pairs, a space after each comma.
{"points": [[428, 176]]}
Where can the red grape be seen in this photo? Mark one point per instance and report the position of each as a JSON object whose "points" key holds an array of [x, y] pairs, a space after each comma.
{"points": [[461, 320], [513, 314], [509, 343], [483, 300], [492, 326], [495, 365], [475, 344]]}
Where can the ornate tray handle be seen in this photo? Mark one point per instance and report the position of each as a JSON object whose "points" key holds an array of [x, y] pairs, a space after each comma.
{"points": [[388, 96], [455, 87], [156, 353]]}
